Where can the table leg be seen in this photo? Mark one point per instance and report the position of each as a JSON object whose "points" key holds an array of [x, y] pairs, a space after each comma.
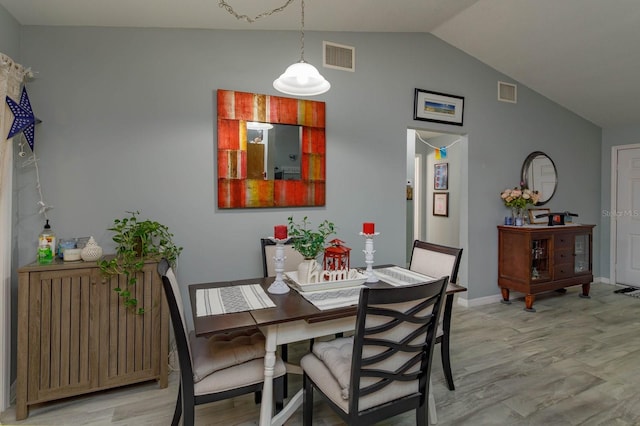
{"points": [[266, 407]]}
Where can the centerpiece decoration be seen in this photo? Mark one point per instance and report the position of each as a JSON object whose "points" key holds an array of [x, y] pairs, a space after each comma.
{"points": [[309, 243], [517, 199]]}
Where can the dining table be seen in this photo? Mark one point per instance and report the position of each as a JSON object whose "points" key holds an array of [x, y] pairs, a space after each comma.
{"points": [[292, 317]]}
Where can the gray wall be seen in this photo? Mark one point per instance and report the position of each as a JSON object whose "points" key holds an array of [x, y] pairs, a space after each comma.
{"points": [[622, 135], [129, 124]]}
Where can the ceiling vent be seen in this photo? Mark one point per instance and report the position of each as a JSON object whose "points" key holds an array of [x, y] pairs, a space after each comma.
{"points": [[507, 92], [338, 56]]}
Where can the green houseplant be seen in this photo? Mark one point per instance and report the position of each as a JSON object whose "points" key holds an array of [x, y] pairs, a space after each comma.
{"points": [[309, 242], [136, 241]]}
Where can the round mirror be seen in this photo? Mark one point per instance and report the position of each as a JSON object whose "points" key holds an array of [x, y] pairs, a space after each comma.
{"points": [[539, 174]]}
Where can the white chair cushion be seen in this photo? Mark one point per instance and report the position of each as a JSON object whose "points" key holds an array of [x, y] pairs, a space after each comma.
{"points": [[336, 355], [237, 376], [224, 350], [432, 263], [291, 261], [324, 379]]}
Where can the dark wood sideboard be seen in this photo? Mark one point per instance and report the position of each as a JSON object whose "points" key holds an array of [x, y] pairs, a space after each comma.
{"points": [[538, 258]]}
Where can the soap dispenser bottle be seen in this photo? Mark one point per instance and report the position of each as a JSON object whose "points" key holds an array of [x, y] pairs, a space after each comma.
{"points": [[46, 244]]}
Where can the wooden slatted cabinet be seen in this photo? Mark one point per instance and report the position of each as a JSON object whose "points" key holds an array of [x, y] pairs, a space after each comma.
{"points": [[75, 336]]}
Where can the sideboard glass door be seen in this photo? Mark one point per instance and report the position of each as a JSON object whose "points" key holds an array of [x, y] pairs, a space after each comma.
{"points": [[581, 251]]}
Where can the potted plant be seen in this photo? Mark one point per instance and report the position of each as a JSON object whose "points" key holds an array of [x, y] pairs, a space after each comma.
{"points": [[136, 241], [309, 243]]}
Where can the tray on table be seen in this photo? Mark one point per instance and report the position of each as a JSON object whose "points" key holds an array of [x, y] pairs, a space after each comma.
{"points": [[292, 280]]}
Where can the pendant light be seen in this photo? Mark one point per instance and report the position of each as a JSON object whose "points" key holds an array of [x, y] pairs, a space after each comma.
{"points": [[301, 78]]}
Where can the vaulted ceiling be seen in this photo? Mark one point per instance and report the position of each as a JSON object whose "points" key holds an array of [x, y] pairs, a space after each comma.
{"points": [[582, 54]]}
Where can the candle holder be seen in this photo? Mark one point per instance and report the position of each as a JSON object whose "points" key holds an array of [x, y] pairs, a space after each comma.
{"points": [[279, 286], [368, 256]]}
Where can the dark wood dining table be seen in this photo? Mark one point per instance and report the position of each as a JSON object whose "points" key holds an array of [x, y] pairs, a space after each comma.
{"points": [[292, 319]]}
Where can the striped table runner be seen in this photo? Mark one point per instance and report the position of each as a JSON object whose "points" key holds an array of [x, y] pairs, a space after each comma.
{"points": [[397, 276], [226, 300], [331, 299]]}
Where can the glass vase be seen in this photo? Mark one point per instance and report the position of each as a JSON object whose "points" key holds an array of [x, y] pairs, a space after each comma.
{"points": [[518, 216]]}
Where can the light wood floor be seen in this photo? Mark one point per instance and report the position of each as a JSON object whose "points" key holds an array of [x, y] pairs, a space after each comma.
{"points": [[573, 362]]}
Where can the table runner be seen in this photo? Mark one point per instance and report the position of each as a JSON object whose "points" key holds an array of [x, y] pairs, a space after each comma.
{"points": [[330, 299], [226, 300], [397, 276], [342, 297]]}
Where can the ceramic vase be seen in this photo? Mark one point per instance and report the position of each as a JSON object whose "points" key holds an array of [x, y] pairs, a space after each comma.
{"points": [[92, 251], [308, 271]]}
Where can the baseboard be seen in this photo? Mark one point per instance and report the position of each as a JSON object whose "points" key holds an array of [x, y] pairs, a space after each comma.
{"points": [[468, 303], [479, 301]]}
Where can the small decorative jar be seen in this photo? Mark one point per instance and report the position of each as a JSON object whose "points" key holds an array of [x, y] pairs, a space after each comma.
{"points": [[91, 251]]}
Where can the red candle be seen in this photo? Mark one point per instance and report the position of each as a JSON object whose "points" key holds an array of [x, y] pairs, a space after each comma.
{"points": [[368, 228], [280, 232]]}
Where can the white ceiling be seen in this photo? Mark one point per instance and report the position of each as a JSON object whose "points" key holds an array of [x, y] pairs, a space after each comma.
{"points": [[582, 54]]}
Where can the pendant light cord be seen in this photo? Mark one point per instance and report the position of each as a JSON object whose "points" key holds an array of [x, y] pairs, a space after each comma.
{"points": [[302, 34], [223, 4]]}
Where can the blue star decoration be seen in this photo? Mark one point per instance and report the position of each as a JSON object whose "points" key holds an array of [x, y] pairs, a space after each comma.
{"points": [[23, 118]]}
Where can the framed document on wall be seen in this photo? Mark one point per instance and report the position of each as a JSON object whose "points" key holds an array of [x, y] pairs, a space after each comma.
{"points": [[441, 204]]}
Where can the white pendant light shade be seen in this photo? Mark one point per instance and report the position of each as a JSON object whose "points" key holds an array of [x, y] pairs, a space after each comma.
{"points": [[301, 79]]}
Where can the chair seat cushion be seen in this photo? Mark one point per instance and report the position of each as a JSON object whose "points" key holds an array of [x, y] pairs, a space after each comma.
{"points": [[320, 374], [210, 354], [240, 375], [336, 356]]}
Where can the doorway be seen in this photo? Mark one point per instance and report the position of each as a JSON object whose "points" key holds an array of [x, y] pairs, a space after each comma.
{"points": [[435, 163], [625, 215]]}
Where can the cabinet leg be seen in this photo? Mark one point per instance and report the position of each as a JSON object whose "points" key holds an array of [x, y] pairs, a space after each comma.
{"points": [[528, 302], [585, 291], [505, 296], [21, 410]]}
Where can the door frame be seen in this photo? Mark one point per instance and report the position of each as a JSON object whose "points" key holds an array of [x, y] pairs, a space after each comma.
{"points": [[613, 232]]}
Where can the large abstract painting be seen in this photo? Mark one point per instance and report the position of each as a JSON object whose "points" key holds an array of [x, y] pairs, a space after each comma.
{"points": [[256, 167]]}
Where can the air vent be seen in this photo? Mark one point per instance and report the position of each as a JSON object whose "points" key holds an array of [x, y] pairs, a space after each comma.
{"points": [[507, 92], [339, 57]]}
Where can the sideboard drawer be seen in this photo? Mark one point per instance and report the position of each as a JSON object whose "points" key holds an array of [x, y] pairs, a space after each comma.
{"points": [[563, 256], [562, 242], [564, 270]]}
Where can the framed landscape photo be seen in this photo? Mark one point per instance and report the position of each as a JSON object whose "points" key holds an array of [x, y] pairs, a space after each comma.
{"points": [[441, 204], [438, 107], [441, 176]]}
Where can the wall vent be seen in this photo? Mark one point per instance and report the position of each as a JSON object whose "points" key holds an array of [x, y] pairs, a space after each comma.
{"points": [[507, 92], [338, 56]]}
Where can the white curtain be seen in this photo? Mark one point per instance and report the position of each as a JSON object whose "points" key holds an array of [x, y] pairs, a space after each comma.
{"points": [[11, 78]]}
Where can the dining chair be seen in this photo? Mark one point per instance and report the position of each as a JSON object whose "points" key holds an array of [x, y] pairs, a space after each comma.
{"points": [[218, 367], [384, 369], [436, 261]]}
